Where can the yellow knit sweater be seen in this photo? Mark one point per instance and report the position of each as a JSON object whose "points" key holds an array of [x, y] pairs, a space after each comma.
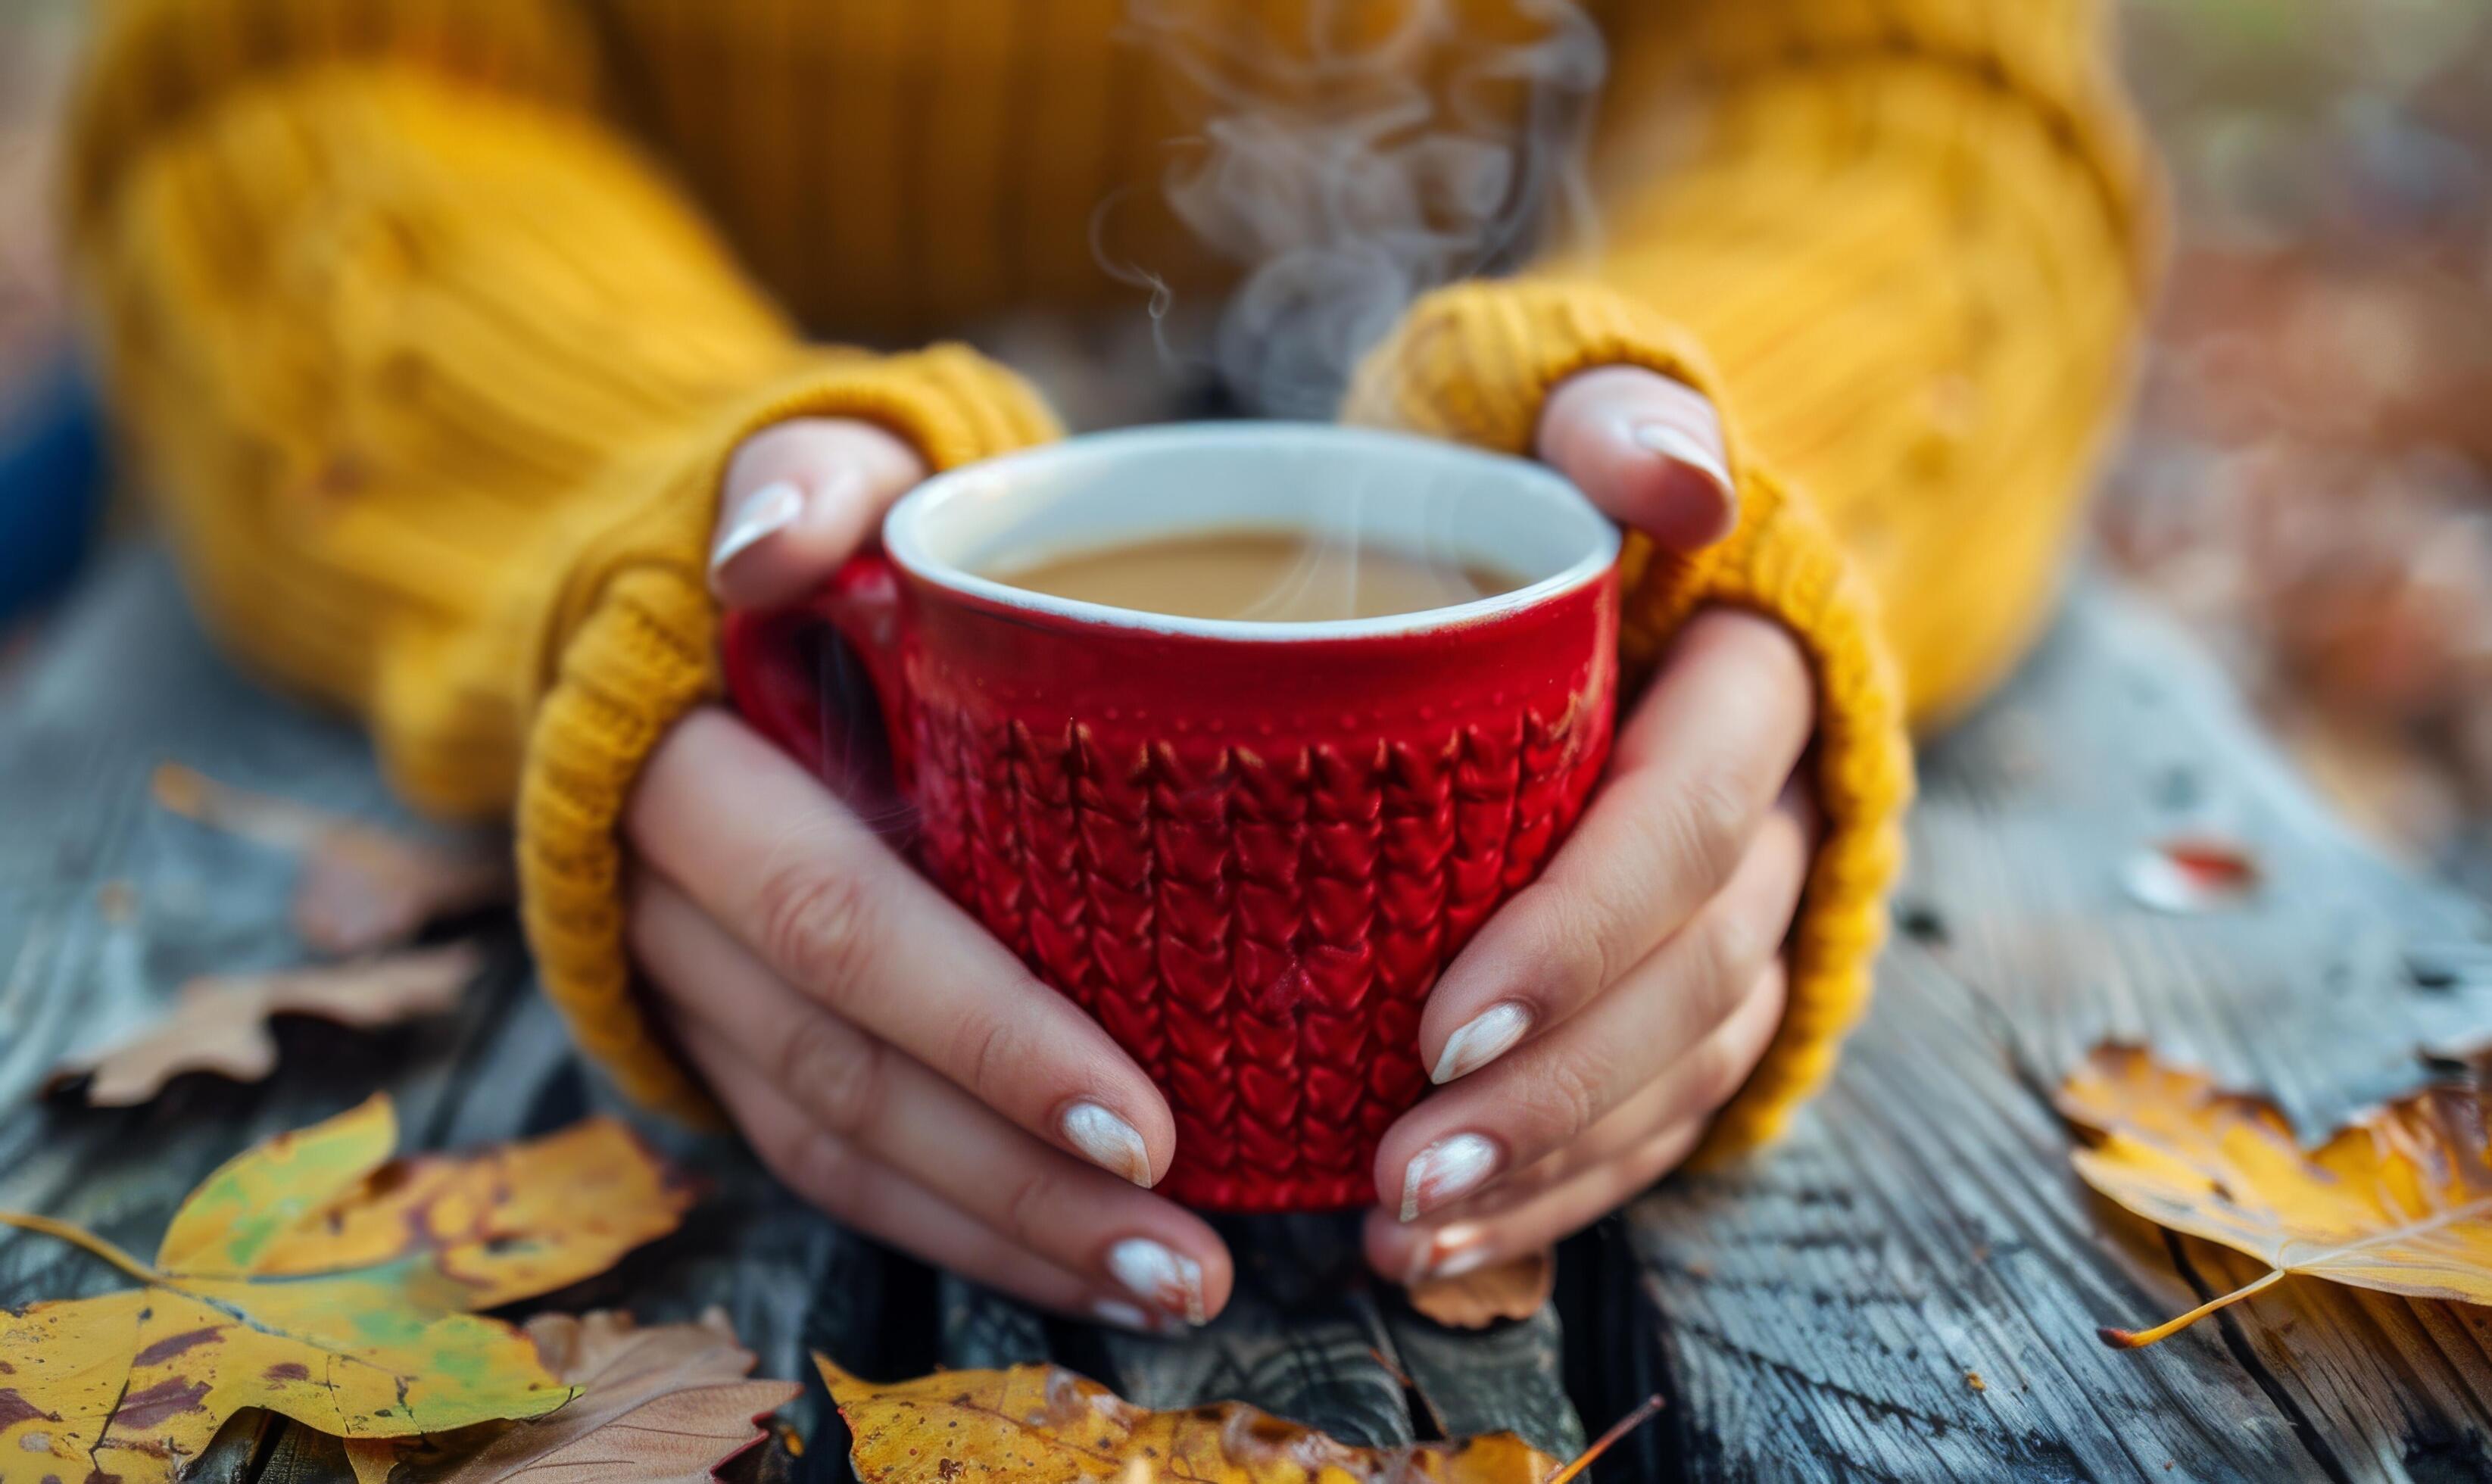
{"points": [[436, 319]]}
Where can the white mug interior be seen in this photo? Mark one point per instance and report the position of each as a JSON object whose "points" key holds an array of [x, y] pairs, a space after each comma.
{"points": [[1432, 501]]}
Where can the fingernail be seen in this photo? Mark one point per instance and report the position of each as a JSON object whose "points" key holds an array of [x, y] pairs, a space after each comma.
{"points": [[1122, 1315], [768, 511], [1458, 1249], [1109, 1142], [1481, 1040], [1445, 1171], [1679, 446], [1157, 1275]]}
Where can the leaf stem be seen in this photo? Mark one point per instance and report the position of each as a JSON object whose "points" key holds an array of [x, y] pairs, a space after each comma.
{"points": [[86, 1241], [1602, 1444], [2139, 1338]]}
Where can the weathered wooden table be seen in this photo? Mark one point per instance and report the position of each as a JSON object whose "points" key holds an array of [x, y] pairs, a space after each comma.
{"points": [[1816, 1313]]}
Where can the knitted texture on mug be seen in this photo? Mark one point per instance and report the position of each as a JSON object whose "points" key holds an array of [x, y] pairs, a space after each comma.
{"points": [[435, 321]]}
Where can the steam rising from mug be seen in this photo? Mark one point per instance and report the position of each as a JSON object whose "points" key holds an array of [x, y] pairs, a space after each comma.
{"points": [[1345, 178]]}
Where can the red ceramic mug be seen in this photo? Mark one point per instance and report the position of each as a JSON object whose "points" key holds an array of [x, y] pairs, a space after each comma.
{"points": [[1245, 848]]}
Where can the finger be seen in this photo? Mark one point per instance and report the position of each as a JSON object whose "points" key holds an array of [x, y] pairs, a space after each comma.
{"points": [[1636, 1144], [891, 1109], [1646, 449], [1469, 1243], [1657, 1105], [1697, 768], [1546, 1094], [799, 499], [792, 874], [866, 1194], [1634, 1122]]}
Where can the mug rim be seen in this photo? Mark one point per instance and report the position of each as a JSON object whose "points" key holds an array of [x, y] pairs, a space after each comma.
{"points": [[902, 543]]}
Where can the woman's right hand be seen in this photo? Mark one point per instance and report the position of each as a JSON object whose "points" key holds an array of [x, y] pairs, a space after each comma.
{"points": [[886, 1055]]}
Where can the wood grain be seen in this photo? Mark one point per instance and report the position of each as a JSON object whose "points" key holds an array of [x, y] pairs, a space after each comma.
{"points": [[108, 902], [1822, 1305], [1814, 1312]]}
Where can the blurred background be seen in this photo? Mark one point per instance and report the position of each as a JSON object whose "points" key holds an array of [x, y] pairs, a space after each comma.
{"points": [[2309, 484]]}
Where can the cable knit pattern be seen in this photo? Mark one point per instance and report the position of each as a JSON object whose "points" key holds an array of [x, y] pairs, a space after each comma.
{"points": [[436, 320], [1258, 925]]}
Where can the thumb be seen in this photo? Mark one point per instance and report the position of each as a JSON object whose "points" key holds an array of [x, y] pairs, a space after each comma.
{"points": [[1647, 450], [799, 498]]}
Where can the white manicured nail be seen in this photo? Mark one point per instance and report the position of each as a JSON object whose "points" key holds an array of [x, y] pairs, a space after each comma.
{"points": [[1157, 1275], [1453, 1251], [768, 511], [1124, 1315], [1445, 1171], [1108, 1141], [1677, 444], [1481, 1040], [1458, 1249]]}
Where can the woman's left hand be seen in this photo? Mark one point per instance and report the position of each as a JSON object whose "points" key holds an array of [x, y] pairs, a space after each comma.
{"points": [[1601, 1018]]}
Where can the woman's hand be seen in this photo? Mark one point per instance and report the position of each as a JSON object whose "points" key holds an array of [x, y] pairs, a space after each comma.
{"points": [[1602, 1017], [886, 1055]]}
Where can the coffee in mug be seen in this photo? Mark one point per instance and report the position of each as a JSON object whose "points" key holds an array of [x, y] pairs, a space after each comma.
{"points": [[1259, 575]]}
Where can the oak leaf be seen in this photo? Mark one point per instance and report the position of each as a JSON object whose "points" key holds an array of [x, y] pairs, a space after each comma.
{"points": [[219, 1024], [362, 887], [316, 1277], [668, 1404], [2398, 1199], [1036, 1424], [1511, 1290]]}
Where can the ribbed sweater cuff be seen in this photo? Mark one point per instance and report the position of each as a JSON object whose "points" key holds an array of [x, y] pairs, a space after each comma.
{"points": [[1476, 362], [631, 646]]}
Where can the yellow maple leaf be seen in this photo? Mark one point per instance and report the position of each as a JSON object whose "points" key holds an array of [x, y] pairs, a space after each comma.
{"points": [[316, 1277], [1036, 1424], [2398, 1199]]}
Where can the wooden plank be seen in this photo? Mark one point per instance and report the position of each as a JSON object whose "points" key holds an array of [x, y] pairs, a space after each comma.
{"points": [[1823, 1304], [125, 681]]}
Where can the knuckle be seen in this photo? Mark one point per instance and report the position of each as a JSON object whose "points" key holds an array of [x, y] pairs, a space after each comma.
{"points": [[817, 926], [1571, 1097], [1567, 930], [814, 1161], [834, 1071], [1734, 947], [1707, 829], [1026, 1211], [987, 1051], [1722, 1067]]}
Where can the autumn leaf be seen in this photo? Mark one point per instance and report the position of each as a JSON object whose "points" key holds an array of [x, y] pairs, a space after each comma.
{"points": [[362, 887], [316, 1277], [668, 1404], [1036, 1424], [1512, 1290], [2398, 1199], [219, 1024]]}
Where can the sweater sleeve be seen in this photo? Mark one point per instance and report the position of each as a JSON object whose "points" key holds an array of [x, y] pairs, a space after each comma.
{"points": [[436, 378], [1903, 245]]}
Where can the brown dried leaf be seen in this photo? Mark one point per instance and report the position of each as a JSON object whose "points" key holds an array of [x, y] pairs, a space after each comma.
{"points": [[664, 1406], [2399, 1200], [1039, 1424], [223, 1025], [1513, 1289], [220, 1024], [363, 887]]}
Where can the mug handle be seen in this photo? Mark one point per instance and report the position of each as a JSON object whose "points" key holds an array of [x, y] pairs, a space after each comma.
{"points": [[774, 683]]}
